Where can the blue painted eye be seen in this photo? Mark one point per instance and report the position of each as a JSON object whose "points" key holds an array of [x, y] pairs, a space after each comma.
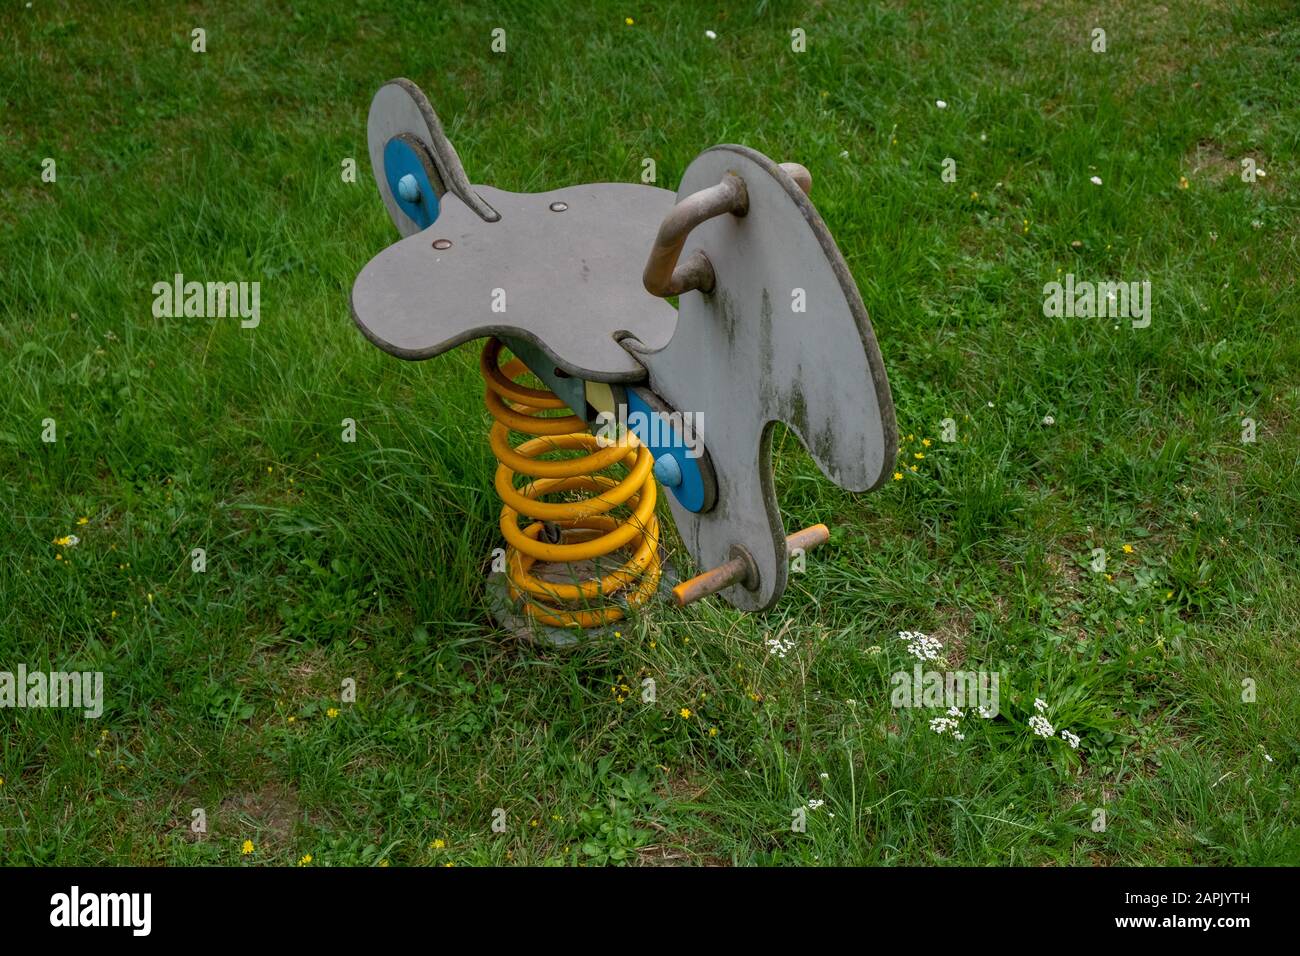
{"points": [[409, 183], [674, 467]]}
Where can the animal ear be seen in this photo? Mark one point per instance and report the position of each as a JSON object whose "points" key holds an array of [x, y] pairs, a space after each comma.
{"points": [[406, 142]]}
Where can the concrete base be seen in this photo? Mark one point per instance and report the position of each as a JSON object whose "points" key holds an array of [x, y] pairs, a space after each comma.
{"points": [[508, 614]]}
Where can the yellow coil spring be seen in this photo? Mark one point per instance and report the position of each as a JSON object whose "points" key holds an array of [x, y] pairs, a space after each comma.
{"points": [[521, 409]]}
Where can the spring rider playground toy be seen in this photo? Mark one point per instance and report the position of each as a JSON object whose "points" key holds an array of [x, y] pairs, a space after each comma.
{"points": [[574, 283]]}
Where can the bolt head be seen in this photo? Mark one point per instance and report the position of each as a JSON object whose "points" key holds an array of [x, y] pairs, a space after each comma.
{"points": [[668, 471], [408, 188]]}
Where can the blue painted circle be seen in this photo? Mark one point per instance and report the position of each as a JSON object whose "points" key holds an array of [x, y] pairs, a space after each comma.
{"points": [[406, 177], [689, 488]]}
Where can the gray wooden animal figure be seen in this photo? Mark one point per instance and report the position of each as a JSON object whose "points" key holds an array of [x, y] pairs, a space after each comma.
{"points": [[575, 283]]}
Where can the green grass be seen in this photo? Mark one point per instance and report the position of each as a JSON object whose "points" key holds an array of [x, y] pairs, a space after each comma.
{"points": [[329, 561]]}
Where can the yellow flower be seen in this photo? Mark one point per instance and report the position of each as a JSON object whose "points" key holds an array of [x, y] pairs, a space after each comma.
{"points": [[449, 863], [2, 781], [247, 848], [911, 467], [113, 616], [713, 731], [438, 844], [1128, 549], [685, 712], [66, 540], [292, 719], [306, 860], [653, 645], [898, 476], [925, 442], [1168, 595], [618, 633], [332, 713], [83, 520], [1182, 182], [629, 21], [383, 863], [918, 455], [974, 195]]}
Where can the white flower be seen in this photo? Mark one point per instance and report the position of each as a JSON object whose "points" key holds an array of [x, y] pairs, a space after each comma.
{"points": [[779, 647], [941, 104], [941, 725], [1095, 180], [921, 646], [1040, 726], [985, 713], [814, 804], [824, 776], [1260, 173], [984, 138], [1049, 420], [1255, 224], [710, 34], [949, 724], [1040, 705], [1268, 758], [1071, 739], [844, 154]]}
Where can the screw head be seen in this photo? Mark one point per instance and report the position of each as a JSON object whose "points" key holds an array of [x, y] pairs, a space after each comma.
{"points": [[442, 243], [408, 188], [668, 471], [558, 206]]}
